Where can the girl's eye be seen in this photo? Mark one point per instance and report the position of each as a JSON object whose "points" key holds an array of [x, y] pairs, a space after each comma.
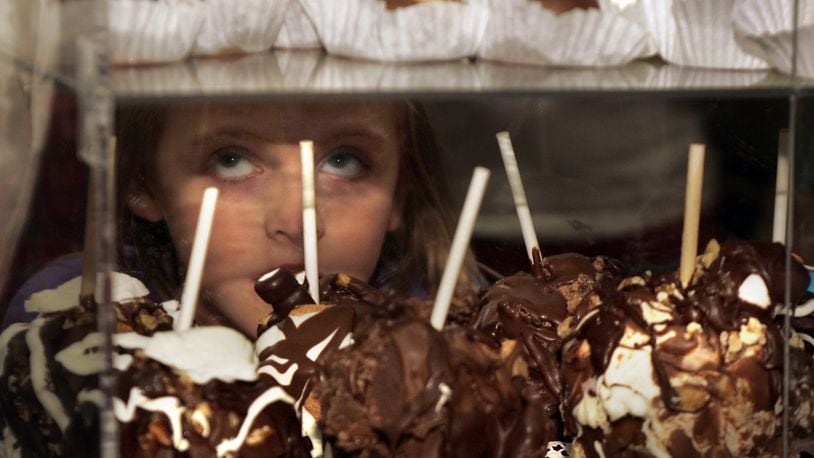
{"points": [[344, 162], [232, 164]]}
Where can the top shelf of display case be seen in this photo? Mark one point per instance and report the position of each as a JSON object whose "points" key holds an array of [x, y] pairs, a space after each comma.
{"points": [[313, 73]]}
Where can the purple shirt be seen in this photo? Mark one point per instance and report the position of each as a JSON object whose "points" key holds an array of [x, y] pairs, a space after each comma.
{"points": [[52, 275]]}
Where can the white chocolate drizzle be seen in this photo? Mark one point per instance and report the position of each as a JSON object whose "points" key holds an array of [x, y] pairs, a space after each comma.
{"points": [[40, 378], [124, 288], [806, 338], [268, 397], [804, 309], [346, 342], [11, 449], [82, 357], [121, 362], [314, 352], [199, 419], [271, 337], [277, 359], [310, 429], [283, 378], [94, 396], [446, 393], [300, 319], [168, 405]]}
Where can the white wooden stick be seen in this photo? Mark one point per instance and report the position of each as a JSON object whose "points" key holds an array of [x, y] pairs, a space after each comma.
{"points": [[692, 212], [781, 188], [521, 204], [192, 283], [309, 218], [460, 242], [87, 289]]}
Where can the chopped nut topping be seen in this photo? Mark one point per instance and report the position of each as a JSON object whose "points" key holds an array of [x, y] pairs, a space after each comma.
{"points": [[693, 329], [520, 367], [156, 430], [692, 398], [564, 329], [507, 347], [710, 253], [313, 406], [259, 435], [120, 314], [631, 281], [200, 418], [343, 280], [733, 346], [148, 321], [233, 420]]}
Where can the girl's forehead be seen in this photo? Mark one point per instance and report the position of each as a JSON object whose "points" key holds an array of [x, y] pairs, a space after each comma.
{"points": [[287, 122], [283, 113]]}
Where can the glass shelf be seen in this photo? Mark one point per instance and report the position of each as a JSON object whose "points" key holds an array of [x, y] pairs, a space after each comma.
{"points": [[312, 73]]}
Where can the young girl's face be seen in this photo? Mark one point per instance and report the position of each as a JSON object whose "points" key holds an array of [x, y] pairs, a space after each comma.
{"points": [[251, 153]]}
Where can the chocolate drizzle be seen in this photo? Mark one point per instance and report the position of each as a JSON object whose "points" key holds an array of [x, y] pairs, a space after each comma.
{"points": [[716, 354], [531, 308], [298, 356], [603, 331], [310, 334], [64, 421], [221, 406], [715, 295], [382, 382]]}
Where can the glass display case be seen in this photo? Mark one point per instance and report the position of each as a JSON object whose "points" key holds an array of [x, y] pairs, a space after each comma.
{"points": [[104, 167]]}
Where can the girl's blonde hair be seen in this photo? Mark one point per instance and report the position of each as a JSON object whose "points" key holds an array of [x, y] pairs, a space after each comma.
{"points": [[412, 257]]}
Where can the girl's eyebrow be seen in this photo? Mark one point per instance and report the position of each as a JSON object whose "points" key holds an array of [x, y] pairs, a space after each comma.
{"points": [[375, 130], [331, 132], [357, 132], [229, 134]]}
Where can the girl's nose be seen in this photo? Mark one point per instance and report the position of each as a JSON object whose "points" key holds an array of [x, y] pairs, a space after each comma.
{"points": [[284, 212]]}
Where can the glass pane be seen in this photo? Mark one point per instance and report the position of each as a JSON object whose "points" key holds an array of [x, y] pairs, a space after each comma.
{"points": [[604, 177], [43, 213], [604, 343], [800, 381]]}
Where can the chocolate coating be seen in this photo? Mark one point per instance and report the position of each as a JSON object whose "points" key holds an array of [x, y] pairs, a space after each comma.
{"points": [[304, 339], [532, 307], [283, 292], [715, 295], [33, 425], [275, 432], [328, 327], [404, 389], [707, 359]]}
